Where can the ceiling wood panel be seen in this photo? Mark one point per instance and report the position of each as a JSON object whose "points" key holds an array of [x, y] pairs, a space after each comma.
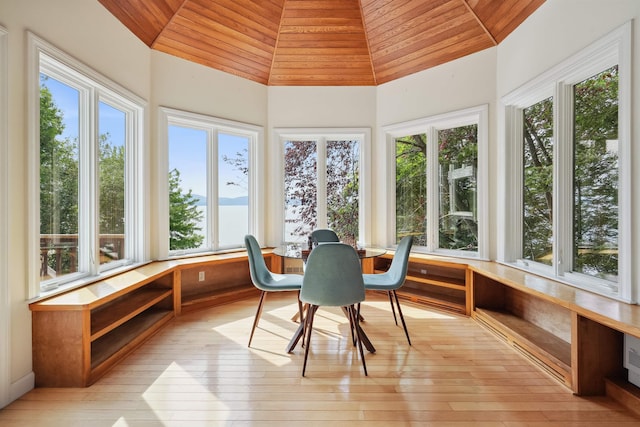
{"points": [[321, 42]]}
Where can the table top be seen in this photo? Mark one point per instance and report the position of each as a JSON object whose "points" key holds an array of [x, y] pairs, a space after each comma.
{"points": [[297, 250]]}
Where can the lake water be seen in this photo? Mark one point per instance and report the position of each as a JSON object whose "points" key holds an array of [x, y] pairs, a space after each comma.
{"points": [[234, 222]]}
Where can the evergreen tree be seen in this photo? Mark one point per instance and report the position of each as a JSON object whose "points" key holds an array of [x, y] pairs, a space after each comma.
{"points": [[184, 216]]}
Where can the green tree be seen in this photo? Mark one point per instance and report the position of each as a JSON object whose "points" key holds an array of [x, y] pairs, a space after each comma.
{"points": [[301, 191], [595, 177], [184, 216], [538, 181], [458, 153], [58, 189], [343, 189], [58, 171], [112, 186], [411, 188]]}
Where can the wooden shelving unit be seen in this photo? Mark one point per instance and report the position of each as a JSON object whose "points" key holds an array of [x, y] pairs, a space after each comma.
{"points": [[576, 336], [434, 282], [80, 335]]}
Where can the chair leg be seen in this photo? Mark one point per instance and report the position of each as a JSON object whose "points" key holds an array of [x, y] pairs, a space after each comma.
{"points": [[258, 314], [311, 311], [393, 310], [404, 325], [352, 325], [301, 315], [356, 318]]}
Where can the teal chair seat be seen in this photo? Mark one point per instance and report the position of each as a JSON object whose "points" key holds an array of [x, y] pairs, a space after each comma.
{"points": [[267, 281], [333, 277], [393, 279]]}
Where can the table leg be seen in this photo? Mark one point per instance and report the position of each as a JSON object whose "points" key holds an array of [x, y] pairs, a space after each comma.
{"points": [[299, 332]]}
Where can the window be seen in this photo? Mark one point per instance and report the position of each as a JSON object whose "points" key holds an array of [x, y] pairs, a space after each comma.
{"points": [[437, 176], [567, 134], [89, 210], [209, 182], [322, 183]]}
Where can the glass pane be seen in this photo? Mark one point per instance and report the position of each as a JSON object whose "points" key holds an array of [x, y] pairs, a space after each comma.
{"points": [[112, 130], [537, 241], [59, 130], [187, 188], [411, 188], [458, 159], [343, 173], [301, 189], [233, 190], [596, 176]]}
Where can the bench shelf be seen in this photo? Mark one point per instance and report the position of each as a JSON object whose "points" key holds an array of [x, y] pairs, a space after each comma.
{"points": [[576, 336], [79, 335], [432, 281]]}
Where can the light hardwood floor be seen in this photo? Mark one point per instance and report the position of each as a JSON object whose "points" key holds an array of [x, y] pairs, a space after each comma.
{"points": [[198, 371]]}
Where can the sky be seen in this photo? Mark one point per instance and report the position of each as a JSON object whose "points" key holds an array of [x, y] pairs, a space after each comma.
{"points": [[187, 147]]}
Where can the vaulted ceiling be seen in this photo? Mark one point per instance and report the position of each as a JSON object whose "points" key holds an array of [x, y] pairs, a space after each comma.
{"points": [[321, 42]]}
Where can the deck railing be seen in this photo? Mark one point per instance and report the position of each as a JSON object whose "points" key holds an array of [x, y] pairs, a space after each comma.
{"points": [[59, 252]]}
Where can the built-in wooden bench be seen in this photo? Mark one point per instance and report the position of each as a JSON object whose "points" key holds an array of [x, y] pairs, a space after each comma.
{"points": [[575, 335], [79, 335]]}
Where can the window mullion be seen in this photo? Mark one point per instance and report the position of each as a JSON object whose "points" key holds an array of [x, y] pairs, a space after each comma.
{"points": [[433, 195], [212, 240], [88, 222], [514, 185], [563, 180], [321, 176]]}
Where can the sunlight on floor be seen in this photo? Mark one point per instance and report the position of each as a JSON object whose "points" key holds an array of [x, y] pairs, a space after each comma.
{"points": [[157, 394]]}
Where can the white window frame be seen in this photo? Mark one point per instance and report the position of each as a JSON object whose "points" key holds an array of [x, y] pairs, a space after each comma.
{"points": [[213, 126], [612, 49], [430, 126], [94, 88], [322, 135], [5, 310]]}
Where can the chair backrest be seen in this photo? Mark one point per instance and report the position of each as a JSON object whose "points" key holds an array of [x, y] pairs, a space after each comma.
{"points": [[333, 276], [323, 235], [260, 274], [400, 263]]}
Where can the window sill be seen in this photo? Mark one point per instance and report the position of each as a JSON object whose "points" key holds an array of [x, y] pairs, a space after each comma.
{"points": [[84, 281]]}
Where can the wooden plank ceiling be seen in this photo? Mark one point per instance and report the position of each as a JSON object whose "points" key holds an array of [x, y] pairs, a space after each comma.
{"points": [[321, 42]]}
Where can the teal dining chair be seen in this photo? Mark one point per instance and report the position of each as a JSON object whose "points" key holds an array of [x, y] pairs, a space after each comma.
{"points": [[267, 281], [333, 278], [393, 278], [324, 235]]}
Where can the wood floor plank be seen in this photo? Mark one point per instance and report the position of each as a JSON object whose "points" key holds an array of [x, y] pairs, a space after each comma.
{"points": [[198, 371]]}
